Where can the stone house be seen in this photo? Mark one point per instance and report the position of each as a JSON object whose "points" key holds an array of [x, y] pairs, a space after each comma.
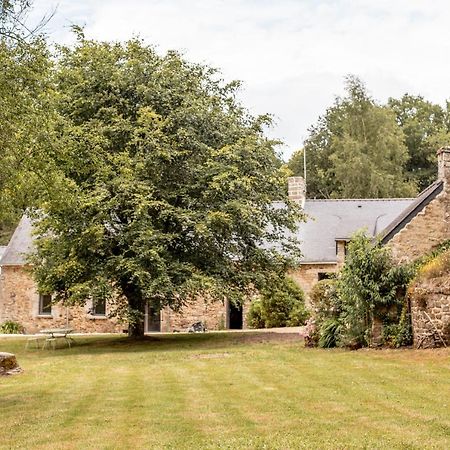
{"points": [[21, 302], [329, 227], [411, 227], [418, 230]]}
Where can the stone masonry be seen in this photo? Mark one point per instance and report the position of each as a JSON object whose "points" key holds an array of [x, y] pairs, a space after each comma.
{"points": [[429, 300], [213, 314], [430, 313], [425, 232], [19, 302], [307, 275], [431, 226]]}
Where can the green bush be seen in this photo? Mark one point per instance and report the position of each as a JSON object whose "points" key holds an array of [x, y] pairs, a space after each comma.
{"points": [[281, 304], [398, 334], [325, 301], [298, 315], [369, 282], [255, 317], [369, 287], [329, 333], [10, 327]]}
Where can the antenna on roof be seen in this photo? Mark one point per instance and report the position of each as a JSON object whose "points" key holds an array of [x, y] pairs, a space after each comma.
{"points": [[304, 163]]}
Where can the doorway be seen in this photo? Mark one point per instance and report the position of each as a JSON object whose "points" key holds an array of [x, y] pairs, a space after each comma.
{"points": [[235, 320], [152, 319]]}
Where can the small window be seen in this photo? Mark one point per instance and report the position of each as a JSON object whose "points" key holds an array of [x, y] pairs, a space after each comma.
{"points": [[99, 307], [324, 275], [45, 305]]}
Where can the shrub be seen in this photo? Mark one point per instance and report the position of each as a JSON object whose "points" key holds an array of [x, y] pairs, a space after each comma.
{"points": [[369, 282], [369, 286], [398, 334], [435, 267], [325, 300], [280, 304], [329, 333], [255, 317], [10, 327], [298, 315]]}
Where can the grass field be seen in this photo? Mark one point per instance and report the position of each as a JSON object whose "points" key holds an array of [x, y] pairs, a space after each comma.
{"points": [[236, 390]]}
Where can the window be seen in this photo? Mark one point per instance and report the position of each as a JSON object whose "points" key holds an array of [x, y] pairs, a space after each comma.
{"points": [[324, 275], [99, 307], [45, 305]]}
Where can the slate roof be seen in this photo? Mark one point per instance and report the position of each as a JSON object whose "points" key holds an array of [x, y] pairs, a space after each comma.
{"points": [[329, 220], [20, 244]]}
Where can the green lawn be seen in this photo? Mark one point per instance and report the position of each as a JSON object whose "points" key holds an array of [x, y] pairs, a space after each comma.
{"points": [[237, 390]]}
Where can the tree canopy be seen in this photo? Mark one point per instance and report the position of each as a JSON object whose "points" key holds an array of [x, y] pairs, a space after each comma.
{"points": [[426, 127], [356, 150], [165, 184], [26, 121]]}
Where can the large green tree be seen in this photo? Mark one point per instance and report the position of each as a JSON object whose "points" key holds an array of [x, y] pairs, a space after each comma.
{"points": [[165, 185], [426, 127], [25, 113], [355, 150]]}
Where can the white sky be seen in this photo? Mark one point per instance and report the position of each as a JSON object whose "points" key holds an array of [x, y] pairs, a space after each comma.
{"points": [[292, 55]]}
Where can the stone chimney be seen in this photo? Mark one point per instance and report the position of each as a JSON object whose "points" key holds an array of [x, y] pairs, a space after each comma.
{"points": [[297, 190], [443, 155]]}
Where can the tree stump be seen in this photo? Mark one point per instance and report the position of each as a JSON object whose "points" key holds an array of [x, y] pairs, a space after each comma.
{"points": [[8, 364]]}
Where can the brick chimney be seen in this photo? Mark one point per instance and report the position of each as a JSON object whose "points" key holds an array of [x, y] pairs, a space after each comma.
{"points": [[297, 189], [443, 155]]}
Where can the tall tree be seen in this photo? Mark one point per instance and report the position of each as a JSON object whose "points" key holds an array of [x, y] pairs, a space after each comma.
{"points": [[426, 127], [166, 185], [25, 113], [355, 150]]}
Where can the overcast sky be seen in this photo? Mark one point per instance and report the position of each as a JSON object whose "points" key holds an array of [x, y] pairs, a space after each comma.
{"points": [[292, 55]]}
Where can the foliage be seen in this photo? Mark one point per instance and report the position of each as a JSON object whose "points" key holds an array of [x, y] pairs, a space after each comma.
{"points": [[281, 304], [434, 265], [165, 184], [298, 315], [255, 318], [324, 299], [369, 282], [329, 333], [10, 327], [426, 127], [26, 113], [398, 334], [14, 23], [357, 136], [369, 286], [327, 308]]}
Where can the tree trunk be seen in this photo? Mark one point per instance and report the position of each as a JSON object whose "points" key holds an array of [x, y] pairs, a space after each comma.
{"points": [[137, 309], [136, 330]]}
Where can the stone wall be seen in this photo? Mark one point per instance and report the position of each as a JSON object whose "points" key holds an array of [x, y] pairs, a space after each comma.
{"points": [[212, 313], [430, 312], [19, 301], [424, 232], [307, 275]]}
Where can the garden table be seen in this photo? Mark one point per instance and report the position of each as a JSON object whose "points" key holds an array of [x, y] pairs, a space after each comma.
{"points": [[53, 334]]}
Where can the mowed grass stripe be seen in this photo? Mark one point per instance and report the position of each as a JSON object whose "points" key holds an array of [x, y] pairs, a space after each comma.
{"points": [[223, 391]]}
